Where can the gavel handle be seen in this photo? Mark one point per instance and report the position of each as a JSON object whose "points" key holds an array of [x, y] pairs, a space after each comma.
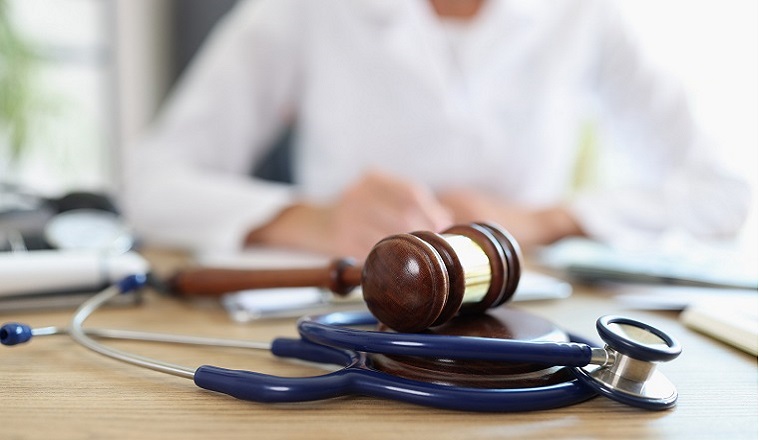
{"points": [[340, 276]]}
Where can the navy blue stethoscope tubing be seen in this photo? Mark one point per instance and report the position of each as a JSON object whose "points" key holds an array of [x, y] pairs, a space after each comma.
{"points": [[328, 330], [358, 378]]}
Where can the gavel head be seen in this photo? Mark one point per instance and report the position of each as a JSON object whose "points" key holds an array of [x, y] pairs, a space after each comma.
{"points": [[414, 281]]}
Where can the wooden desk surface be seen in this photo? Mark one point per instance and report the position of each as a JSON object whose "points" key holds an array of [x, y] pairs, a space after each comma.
{"points": [[53, 388]]}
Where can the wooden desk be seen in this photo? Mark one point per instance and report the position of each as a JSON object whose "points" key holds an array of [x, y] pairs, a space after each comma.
{"points": [[53, 388]]}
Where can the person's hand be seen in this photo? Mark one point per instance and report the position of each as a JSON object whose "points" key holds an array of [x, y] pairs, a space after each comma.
{"points": [[529, 226], [379, 205], [376, 206]]}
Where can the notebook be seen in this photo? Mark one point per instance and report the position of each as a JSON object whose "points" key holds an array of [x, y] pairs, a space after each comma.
{"points": [[733, 321]]}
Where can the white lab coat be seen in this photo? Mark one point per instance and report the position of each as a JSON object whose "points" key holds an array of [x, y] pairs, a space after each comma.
{"points": [[497, 104]]}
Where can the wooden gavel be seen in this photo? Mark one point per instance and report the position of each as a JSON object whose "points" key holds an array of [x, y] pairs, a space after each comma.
{"points": [[410, 282]]}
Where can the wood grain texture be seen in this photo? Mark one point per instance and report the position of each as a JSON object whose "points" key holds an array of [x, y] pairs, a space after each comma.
{"points": [[405, 283], [340, 277]]}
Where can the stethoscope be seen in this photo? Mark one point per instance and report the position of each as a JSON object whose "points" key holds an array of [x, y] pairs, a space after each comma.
{"points": [[624, 370]]}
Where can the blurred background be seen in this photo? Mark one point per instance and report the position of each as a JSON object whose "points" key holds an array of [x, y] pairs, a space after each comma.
{"points": [[82, 79]]}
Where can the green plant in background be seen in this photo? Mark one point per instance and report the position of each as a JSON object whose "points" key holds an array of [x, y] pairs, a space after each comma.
{"points": [[16, 98]]}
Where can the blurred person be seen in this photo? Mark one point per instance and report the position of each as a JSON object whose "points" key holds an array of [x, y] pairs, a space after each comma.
{"points": [[417, 114]]}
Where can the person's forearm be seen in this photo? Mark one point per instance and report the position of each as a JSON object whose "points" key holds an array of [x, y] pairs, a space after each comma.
{"points": [[530, 226], [555, 223], [375, 206], [300, 225]]}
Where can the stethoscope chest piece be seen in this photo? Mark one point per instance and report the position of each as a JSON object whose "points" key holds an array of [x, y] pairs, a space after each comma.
{"points": [[656, 393], [629, 375]]}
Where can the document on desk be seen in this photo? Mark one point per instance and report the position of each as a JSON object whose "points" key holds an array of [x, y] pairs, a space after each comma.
{"points": [[250, 305]]}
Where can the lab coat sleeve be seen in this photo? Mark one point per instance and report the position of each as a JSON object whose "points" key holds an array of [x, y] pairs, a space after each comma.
{"points": [[187, 183], [667, 176]]}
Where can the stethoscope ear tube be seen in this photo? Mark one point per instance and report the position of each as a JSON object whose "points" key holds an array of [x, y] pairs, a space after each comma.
{"points": [[258, 387], [307, 351]]}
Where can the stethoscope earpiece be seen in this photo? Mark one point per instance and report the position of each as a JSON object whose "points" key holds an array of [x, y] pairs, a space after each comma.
{"points": [[14, 333]]}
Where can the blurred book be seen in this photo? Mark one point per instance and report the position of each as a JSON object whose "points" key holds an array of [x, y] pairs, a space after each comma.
{"points": [[682, 264], [674, 297], [731, 321]]}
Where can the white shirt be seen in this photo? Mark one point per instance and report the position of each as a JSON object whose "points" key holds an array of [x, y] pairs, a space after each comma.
{"points": [[497, 105]]}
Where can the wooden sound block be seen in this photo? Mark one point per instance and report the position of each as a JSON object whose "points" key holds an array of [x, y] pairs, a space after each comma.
{"points": [[503, 323]]}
